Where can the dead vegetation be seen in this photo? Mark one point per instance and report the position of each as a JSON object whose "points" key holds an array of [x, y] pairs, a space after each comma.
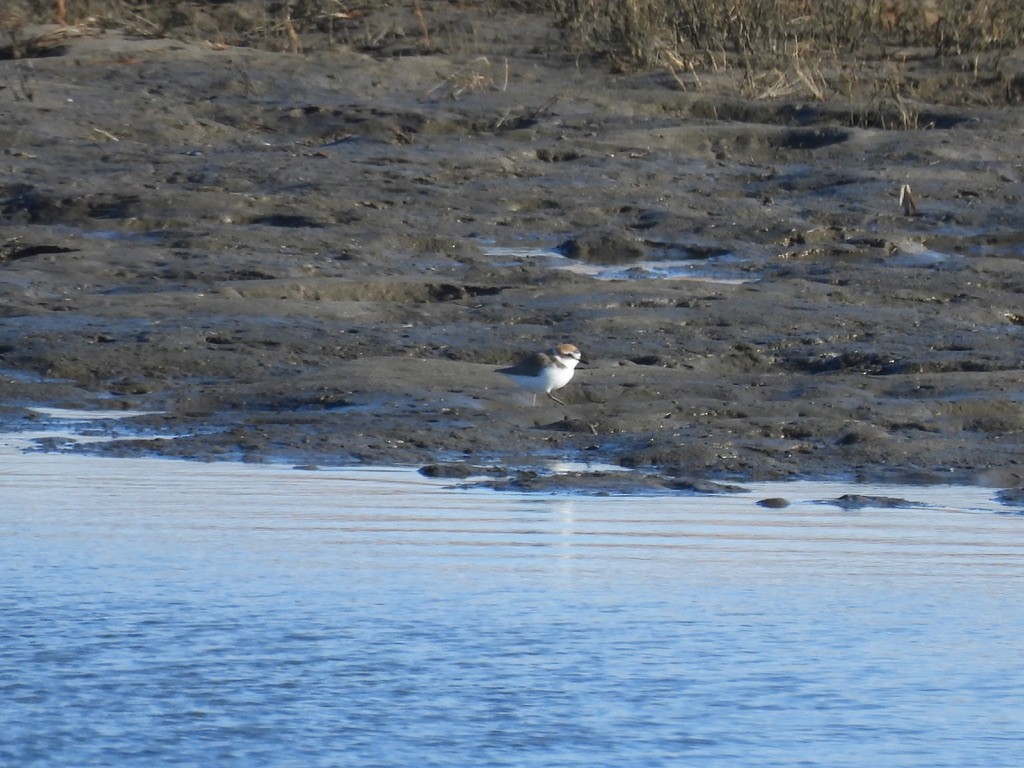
{"points": [[277, 24], [632, 33], [895, 53], [647, 32], [814, 50]]}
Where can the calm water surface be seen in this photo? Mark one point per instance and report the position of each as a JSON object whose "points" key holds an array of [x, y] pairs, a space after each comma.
{"points": [[160, 613]]}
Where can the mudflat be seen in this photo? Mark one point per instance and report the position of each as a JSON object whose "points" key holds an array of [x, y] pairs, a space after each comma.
{"points": [[322, 257]]}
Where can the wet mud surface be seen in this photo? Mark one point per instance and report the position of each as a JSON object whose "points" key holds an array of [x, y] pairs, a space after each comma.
{"points": [[321, 258]]}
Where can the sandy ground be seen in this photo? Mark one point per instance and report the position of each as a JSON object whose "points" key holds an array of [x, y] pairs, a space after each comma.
{"points": [[322, 258]]}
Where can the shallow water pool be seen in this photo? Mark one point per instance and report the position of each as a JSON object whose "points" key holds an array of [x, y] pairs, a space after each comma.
{"points": [[157, 612]]}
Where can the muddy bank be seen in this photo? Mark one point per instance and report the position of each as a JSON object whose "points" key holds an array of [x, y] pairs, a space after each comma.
{"points": [[322, 258]]}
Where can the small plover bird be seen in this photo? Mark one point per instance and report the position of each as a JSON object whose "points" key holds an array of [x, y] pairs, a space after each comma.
{"points": [[545, 371]]}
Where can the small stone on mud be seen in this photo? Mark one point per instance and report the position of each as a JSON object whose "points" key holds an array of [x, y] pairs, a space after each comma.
{"points": [[604, 247], [774, 503], [853, 501], [460, 471]]}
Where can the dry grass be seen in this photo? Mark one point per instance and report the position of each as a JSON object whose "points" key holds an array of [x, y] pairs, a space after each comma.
{"points": [[630, 32], [774, 49], [642, 32], [267, 23], [792, 48]]}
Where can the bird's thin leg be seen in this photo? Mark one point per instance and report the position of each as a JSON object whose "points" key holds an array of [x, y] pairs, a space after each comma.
{"points": [[535, 398], [555, 399]]}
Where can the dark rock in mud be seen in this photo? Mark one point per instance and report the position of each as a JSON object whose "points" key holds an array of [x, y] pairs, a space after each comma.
{"points": [[854, 501], [1012, 497], [603, 248], [460, 471], [582, 483], [597, 483]]}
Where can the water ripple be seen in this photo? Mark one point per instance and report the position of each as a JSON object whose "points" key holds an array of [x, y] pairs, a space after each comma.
{"points": [[167, 613]]}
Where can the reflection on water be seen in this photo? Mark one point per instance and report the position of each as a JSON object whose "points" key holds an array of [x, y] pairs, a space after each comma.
{"points": [[158, 612], [668, 269], [93, 414], [66, 428], [726, 270]]}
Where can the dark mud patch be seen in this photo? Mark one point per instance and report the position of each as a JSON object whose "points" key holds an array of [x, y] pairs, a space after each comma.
{"points": [[854, 501], [1013, 497], [602, 247], [13, 251], [601, 483], [816, 125]]}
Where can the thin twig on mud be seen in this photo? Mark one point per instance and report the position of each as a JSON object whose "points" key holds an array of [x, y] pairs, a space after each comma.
{"points": [[105, 134], [907, 201]]}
